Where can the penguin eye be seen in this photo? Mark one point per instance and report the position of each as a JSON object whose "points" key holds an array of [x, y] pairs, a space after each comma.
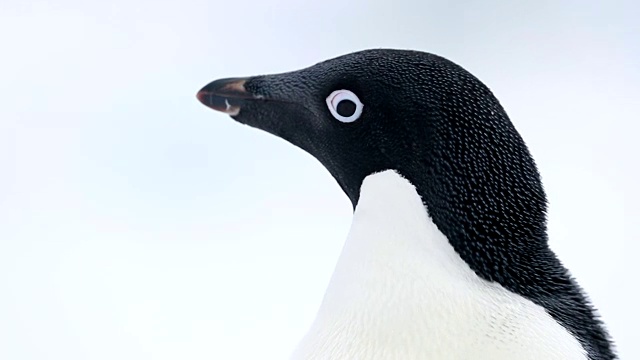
{"points": [[344, 106]]}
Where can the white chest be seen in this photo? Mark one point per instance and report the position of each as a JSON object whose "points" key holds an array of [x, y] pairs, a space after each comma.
{"points": [[400, 291]]}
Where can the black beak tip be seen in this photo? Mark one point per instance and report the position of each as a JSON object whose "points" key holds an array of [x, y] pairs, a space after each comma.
{"points": [[224, 95]]}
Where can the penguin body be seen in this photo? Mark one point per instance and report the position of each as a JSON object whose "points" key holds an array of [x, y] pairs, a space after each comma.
{"points": [[447, 257], [400, 291]]}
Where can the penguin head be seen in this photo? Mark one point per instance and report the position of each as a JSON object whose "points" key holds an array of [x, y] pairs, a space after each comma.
{"points": [[369, 111]]}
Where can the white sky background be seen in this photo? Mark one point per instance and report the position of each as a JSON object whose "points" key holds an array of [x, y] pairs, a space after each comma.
{"points": [[137, 224]]}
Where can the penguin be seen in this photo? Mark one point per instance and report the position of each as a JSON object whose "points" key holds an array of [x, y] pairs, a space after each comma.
{"points": [[447, 256]]}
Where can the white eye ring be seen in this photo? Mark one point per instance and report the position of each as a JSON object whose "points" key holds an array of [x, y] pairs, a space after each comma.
{"points": [[339, 96]]}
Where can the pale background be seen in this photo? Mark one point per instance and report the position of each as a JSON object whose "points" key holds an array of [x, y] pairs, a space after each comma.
{"points": [[137, 224]]}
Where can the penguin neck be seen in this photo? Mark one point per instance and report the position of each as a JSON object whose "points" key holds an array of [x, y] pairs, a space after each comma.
{"points": [[392, 243]]}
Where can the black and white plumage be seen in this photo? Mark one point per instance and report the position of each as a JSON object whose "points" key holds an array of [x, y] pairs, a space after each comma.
{"points": [[447, 257]]}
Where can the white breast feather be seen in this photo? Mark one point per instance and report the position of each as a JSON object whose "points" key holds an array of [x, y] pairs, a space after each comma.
{"points": [[401, 292]]}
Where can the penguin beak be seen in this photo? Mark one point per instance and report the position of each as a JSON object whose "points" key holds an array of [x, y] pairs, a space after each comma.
{"points": [[226, 95], [268, 102], [273, 103]]}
